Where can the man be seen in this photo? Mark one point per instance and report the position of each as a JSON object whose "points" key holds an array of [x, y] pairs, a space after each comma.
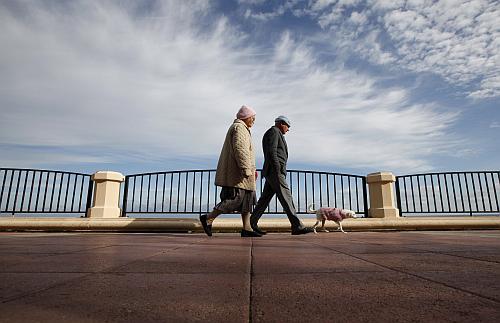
{"points": [[274, 171]]}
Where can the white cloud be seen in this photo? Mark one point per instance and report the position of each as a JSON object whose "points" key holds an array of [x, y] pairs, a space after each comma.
{"points": [[260, 16], [251, 2], [358, 18], [27, 157], [264, 16], [321, 4], [100, 77], [458, 40]]}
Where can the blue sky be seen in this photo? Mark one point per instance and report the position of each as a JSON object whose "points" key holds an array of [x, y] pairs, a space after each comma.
{"points": [[135, 86]]}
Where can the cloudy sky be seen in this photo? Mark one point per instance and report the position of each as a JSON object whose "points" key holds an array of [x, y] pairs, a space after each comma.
{"points": [[403, 85]]}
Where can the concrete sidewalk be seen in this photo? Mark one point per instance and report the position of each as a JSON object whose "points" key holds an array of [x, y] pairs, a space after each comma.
{"points": [[430, 276]]}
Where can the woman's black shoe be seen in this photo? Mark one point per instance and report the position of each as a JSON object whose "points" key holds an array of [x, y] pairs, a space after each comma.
{"points": [[246, 233], [206, 227]]}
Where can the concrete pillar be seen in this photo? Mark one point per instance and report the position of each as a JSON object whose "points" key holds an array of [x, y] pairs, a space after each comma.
{"points": [[106, 194], [380, 187]]}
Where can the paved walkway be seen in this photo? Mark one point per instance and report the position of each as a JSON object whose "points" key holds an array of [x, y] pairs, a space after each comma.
{"points": [[450, 276]]}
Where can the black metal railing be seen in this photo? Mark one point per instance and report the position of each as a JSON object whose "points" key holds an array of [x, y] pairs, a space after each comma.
{"points": [[472, 193], [44, 191], [194, 192]]}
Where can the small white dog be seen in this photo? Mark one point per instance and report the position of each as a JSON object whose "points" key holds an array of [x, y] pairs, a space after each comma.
{"points": [[330, 213]]}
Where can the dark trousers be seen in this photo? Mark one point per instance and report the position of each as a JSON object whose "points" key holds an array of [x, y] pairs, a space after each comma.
{"points": [[276, 185]]}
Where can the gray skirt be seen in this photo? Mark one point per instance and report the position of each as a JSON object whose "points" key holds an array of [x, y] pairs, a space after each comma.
{"points": [[235, 199]]}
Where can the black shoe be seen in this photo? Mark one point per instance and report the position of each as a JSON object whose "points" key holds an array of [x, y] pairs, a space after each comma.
{"points": [[206, 227], [302, 231], [246, 233], [258, 230]]}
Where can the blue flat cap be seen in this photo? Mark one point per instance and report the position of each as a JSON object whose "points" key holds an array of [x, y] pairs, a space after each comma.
{"points": [[283, 119]]}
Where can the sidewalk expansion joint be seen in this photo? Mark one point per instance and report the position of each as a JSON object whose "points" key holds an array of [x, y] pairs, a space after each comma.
{"points": [[250, 285]]}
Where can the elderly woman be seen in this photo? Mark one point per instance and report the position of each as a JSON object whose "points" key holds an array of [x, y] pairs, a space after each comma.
{"points": [[236, 174]]}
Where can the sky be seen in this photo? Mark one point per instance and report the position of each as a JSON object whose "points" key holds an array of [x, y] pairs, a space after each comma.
{"points": [[407, 86]]}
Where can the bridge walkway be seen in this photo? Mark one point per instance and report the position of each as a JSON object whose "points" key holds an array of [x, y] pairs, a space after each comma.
{"points": [[422, 276]]}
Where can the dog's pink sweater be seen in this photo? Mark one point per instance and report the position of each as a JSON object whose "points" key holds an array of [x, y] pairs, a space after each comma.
{"points": [[333, 213]]}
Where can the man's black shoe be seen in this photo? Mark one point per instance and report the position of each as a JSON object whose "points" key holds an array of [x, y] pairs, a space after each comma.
{"points": [[246, 233], [255, 228], [206, 227], [302, 231]]}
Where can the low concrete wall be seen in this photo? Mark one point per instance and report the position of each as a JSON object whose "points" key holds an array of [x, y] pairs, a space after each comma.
{"points": [[233, 225]]}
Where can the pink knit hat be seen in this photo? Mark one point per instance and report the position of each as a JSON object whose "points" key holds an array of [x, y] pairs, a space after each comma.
{"points": [[245, 112]]}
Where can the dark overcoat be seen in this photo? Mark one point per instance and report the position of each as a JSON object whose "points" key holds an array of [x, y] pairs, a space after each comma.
{"points": [[275, 152]]}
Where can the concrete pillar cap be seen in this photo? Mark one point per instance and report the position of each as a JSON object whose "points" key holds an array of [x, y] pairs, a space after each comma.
{"points": [[380, 177], [108, 176]]}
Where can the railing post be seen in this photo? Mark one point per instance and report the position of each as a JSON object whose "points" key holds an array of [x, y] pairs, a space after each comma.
{"points": [[382, 195], [398, 197], [106, 194], [125, 197], [89, 197], [365, 198]]}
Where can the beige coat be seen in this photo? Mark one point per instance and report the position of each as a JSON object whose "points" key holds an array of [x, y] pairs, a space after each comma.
{"points": [[236, 167]]}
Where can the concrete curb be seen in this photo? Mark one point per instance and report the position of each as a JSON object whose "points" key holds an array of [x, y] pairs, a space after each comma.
{"points": [[233, 225]]}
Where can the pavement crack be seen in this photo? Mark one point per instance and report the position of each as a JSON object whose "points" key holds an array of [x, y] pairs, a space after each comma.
{"points": [[410, 274], [14, 298], [462, 257], [114, 269]]}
